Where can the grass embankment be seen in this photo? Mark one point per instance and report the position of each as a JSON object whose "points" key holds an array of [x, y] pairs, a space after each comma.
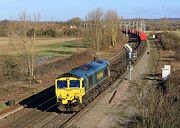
{"points": [[14, 89], [157, 102]]}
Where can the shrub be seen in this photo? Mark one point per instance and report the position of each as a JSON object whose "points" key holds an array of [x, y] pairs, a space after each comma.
{"points": [[170, 41], [158, 108], [72, 32], [11, 68]]}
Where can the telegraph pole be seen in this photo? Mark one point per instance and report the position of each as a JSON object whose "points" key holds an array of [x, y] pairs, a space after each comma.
{"points": [[144, 26], [141, 26], [133, 25], [137, 26], [129, 24], [126, 28]]}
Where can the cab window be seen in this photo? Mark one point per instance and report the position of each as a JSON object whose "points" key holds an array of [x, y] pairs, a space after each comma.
{"points": [[61, 84], [84, 83], [74, 83]]}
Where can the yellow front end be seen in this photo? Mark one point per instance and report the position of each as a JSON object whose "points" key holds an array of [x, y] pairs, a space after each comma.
{"points": [[67, 92]]}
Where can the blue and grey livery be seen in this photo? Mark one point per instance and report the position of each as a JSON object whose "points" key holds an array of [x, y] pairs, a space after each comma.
{"points": [[81, 84]]}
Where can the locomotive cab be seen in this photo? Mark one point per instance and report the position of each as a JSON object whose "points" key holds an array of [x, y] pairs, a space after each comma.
{"points": [[69, 91]]}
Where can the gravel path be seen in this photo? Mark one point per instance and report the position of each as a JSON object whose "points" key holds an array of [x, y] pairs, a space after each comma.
{"points": [[142, 66], [106, 115]]}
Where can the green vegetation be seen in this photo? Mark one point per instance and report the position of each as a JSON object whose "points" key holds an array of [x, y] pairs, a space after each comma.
{"points": [[40, 33], [62, 49], [123, 114], [11, 68], [154, 57], [3, 106]]}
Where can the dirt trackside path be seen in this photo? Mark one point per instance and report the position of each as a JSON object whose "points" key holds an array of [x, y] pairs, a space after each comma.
{"points": [[106, 115]]}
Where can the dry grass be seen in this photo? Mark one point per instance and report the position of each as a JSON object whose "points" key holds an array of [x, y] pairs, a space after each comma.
{"points": [[5, 46], [45, 41], [177, 33], [20, 90], [157, 104]]}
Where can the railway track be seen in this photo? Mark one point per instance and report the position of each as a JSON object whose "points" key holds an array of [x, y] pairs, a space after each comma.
{"points": [[120, 66], [45, 114]]}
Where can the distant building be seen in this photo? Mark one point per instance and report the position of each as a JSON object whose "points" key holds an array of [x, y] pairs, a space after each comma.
{"points": [[73, 27]]}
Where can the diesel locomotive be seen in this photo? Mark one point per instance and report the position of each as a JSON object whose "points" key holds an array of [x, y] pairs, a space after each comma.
{"points": [[76, 88]]}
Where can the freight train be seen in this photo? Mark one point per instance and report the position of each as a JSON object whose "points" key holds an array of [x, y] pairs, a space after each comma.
{"points": [[75, 89], [140, 34]]}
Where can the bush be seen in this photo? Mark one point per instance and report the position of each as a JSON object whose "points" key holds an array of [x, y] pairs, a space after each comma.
{"points": [[72, 32], [47, 33], [158, 108], [170, 41], [11, 68]]}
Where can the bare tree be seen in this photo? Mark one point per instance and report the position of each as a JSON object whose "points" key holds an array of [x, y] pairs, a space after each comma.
{"points": [[103, 28], [24, 44], [75, 21], [113, 24], [36, 18], [95, 24]]}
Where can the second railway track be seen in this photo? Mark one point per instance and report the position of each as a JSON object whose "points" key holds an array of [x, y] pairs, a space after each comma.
{"points": [[46, 115]]}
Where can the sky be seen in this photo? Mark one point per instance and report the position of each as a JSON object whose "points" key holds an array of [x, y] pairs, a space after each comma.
{"points": [[62, 10]]}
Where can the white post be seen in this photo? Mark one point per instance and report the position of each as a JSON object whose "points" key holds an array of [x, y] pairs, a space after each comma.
{"points": [[130, 75], [133, 25], [130, 70], [126, 29]]}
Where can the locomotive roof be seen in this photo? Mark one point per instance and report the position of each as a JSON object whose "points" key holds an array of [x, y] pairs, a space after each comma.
{"points": [[89, 68]]}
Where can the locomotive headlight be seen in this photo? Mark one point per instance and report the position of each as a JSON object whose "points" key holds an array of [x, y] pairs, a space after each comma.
{"points": [[76, 97], [60, 97]]}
